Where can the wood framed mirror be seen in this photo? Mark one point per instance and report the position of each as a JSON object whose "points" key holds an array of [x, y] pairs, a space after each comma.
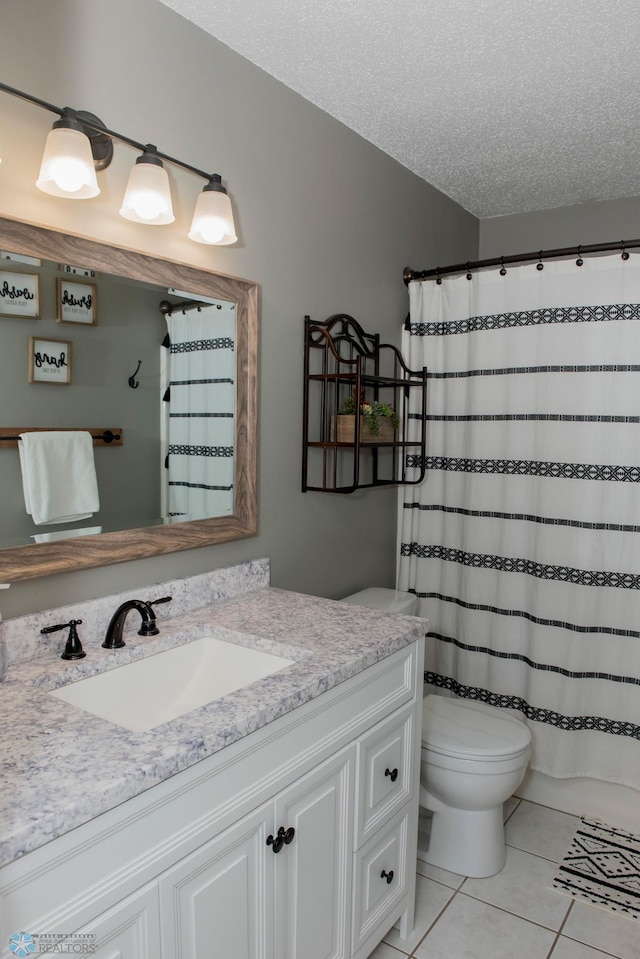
{"points": [[31, 560]]}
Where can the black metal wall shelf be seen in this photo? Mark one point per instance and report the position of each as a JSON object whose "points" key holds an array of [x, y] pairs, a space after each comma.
{"points": [[339, 454]]}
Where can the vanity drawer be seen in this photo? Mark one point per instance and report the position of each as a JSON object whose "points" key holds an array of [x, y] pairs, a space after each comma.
{"points": [[380, 878], [386, 777]]}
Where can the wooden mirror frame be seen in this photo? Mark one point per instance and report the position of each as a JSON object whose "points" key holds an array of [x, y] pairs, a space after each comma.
{"points": [[44, 559]]}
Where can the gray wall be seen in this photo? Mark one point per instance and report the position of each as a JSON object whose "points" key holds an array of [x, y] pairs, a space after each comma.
{"points": [[326, 224], [584, 223]]}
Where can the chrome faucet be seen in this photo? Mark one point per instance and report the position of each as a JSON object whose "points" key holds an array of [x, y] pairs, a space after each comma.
{"points": [[114, 640]]}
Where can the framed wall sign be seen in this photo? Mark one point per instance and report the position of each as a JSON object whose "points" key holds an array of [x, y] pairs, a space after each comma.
{"points": [[77, 302], [49, 360], [19, 295]]}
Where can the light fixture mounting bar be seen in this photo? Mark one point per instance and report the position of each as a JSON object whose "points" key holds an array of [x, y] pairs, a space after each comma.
{"points": [[27, 96], [97, 128]]}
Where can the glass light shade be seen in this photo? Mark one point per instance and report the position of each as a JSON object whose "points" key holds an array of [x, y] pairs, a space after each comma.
{"points": [[67, 168], [148, 196], [213, 219]]}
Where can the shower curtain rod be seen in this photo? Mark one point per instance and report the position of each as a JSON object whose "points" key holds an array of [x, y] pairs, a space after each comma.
{"points": [[409, 274]]}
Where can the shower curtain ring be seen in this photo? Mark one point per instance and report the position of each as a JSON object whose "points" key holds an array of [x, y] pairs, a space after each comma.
{"points": [[579, 261], [503, 272], [469, 273], [438, 277], [624, 255], [540, 264]]}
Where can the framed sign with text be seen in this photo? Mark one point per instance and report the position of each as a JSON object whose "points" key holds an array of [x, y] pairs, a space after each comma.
{"points": [[19, 295], [49, 360], [77, 302]]}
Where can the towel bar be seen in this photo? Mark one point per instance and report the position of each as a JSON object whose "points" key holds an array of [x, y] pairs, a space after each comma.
{"points": [[101, 437]]}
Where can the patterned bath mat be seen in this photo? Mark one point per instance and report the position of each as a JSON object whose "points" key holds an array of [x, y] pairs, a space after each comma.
{"points": [[602, 867]]}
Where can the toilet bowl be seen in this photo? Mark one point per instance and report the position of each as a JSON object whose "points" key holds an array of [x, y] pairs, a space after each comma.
{"points": [[474, 757]]}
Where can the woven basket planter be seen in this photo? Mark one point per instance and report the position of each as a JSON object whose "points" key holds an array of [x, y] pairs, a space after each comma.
{"points": [[343, 429]]}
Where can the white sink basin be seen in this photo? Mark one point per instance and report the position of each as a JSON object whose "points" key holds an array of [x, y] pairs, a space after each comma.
{"points": [[151, 691]]}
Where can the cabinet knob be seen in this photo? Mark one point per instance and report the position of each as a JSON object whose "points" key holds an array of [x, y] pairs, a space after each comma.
{"points": [[392, 774], [387, 875], [277, 843], [283, 838]]}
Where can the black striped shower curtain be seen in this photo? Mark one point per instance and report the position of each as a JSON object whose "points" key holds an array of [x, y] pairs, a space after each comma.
{"points": [[199, 413], [523, 542]]}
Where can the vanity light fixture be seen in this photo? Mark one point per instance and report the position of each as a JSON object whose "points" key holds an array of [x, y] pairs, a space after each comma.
{"points": [[72, 154], [79, 144], [148, 195], [213, 217]]}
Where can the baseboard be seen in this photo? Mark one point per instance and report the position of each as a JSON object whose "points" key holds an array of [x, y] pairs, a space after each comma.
{"points": [[614, 804]]}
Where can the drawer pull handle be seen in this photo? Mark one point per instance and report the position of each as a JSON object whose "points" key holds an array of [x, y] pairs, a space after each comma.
{"points": [[283, 838], [392, 774], [387, 875]]}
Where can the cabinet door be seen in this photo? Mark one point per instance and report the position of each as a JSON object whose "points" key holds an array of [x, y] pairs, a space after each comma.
{"points": [[216, 903], [130, 930], [313, 872]]}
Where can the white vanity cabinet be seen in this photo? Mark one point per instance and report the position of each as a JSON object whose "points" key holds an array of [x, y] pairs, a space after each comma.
{"points": [[237, 896], [187, 869]]}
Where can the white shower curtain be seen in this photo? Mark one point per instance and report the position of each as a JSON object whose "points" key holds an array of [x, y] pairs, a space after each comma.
{"points": [[199, 409], [523, 542]]}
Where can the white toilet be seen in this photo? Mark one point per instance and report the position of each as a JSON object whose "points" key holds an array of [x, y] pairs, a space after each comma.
{"points": [[474, 757]]}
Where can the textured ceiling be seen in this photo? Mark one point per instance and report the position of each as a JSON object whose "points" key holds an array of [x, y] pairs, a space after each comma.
{"points": [[505, 105]]}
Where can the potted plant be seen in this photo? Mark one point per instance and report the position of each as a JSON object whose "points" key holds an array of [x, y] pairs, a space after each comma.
{"points": [[378, 421]]}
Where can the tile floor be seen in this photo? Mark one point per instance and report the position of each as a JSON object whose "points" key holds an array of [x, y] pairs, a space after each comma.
{"points": [[513, 915]]}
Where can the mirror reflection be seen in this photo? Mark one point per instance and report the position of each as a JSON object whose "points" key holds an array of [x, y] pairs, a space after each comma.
{"points": [[197, 386], [156, 363], [82, 326]]}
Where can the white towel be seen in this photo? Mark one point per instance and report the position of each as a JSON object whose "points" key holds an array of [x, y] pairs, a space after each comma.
{"points": [[58, 476]]}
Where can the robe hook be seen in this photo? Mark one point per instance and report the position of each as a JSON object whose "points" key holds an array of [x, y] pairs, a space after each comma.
{"points": [[133, 383]]}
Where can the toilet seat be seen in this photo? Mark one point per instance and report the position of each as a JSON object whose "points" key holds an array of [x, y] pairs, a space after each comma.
{"points": [[389, 600], [469, 730]]}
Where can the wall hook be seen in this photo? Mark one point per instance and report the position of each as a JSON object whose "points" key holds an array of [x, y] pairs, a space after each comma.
{"points": [[133, 383]]}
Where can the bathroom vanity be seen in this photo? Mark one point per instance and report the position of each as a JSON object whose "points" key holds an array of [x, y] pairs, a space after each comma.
{"points": [[277, 821]]}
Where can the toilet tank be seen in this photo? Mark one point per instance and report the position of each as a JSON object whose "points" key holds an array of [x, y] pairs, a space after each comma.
{"points": [[388, 600]]}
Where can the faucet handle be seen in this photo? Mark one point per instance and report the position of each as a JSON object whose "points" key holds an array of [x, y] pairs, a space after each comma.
{"points": [[149, 627], [73, 648]]}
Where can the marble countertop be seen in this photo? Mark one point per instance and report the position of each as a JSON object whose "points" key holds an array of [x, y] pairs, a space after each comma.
{"points": [[62, 766]]}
